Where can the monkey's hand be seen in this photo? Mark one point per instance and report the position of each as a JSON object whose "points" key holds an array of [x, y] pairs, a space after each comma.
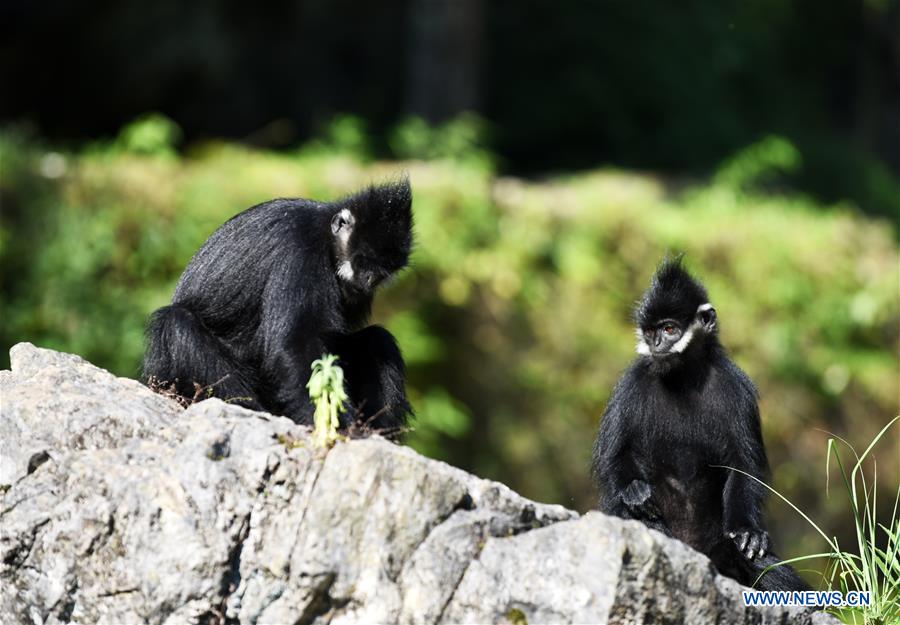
{"points": [[637, 497], [751, 542]]}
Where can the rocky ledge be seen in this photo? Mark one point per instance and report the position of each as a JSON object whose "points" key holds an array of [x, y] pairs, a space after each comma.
{"points": [[117, 506]]}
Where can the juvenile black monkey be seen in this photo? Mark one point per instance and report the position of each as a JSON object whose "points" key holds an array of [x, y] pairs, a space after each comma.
{"points": [[277, 286], [681, 412]]}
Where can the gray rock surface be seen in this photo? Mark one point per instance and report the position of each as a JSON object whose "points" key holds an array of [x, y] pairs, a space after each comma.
{"points": [[119, 507]]}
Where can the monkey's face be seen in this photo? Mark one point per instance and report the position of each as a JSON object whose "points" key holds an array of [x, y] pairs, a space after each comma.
{"points": [[663, 339], [369, 248], [666, 340]]}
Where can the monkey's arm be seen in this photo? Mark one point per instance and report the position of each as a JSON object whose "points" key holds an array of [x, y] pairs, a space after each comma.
{"points": [[285, 373], [291, 336], [744, 497], [625, 491]]}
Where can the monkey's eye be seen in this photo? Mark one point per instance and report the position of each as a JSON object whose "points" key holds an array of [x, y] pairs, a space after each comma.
{"points": [[669, 328]]}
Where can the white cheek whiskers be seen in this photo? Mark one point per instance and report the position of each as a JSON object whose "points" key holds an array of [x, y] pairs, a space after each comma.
{"points": [[685, 339], [642, 348], [345, 271]]}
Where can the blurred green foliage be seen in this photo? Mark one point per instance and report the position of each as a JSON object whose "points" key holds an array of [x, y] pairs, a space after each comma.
{"points": [[152, 134], [514, 316], [461, 138]]}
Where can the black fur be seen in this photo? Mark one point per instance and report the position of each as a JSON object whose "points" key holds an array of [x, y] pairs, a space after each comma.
{"points": [[263, 298], [674, 419]]}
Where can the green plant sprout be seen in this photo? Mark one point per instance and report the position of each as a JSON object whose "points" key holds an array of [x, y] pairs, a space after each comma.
{"points": [[873, 568], [326, 390]]}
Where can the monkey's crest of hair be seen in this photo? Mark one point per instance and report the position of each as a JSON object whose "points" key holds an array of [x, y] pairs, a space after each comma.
{"points": [[673, 294], [388, 204]]}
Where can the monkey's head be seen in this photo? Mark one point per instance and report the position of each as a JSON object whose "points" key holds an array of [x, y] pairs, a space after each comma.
{"points": [[674, 318], [372, 235]]}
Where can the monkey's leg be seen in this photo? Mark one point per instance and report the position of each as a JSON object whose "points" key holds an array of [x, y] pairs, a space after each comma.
{"points": [[782, 577], [376, 378], [640, 504], [183, 352]]}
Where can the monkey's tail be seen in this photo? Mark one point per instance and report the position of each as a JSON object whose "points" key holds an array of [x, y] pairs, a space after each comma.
{"points": [[182, 354]]}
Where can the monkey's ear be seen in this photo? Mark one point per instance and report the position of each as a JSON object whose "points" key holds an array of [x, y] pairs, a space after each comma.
{"points": [[342, 222], [707, 316]]}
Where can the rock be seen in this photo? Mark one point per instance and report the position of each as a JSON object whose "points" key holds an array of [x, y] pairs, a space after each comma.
{"points": [[119, 507], [54, 403]]}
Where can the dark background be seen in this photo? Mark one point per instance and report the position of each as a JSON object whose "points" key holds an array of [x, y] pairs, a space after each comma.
{"points": [[672, 86]]}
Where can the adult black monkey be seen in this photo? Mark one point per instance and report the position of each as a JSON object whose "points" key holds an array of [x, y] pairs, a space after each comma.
{"points": [[277, 286], [681, 412]]}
